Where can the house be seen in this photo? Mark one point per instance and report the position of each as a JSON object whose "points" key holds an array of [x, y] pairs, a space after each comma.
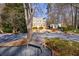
{"points": [[55, 26], [39, 24]]}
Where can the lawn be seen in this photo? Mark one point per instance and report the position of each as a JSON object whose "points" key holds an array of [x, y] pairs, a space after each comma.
{"points": [[60, 47]]}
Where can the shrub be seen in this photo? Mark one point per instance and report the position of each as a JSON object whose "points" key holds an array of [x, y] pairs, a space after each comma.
{"points": [[34, 27], [40, 28], [76, 31], [7, 28]]}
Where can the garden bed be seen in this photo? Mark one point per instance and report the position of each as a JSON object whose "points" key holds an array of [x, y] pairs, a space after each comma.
{"points": [[62, 47], [14, 43]]}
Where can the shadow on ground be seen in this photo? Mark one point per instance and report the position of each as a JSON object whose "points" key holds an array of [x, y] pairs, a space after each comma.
{"points": [[30, 50]]}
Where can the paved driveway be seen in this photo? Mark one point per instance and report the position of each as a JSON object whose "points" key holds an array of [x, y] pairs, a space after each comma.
{"points": [[11, 37], [57, 35]]}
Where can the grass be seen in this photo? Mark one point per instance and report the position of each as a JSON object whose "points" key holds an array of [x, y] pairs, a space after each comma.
{"points": [[76, 31], [70, 29], [62, 47]]}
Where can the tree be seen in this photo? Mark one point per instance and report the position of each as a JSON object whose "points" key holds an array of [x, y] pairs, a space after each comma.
{"points": [[76, 15], [29, 12], [13, 16], [55, 12], [61, 13]]}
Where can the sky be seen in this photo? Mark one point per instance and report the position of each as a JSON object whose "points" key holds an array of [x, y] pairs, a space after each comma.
{"points": [[41, 10]]}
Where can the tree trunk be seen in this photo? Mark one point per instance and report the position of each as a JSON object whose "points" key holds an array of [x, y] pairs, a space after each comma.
{"points": [[72, 15], [28, 17], [75, 22], [13, 22], [1, 31], [15, 30]]}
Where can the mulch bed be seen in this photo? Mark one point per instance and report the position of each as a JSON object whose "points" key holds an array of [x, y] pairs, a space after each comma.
{"points": [[19, 42]]}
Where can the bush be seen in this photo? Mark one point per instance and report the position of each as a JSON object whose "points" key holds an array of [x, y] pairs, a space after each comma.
{"points": [[40, 28], [34, 27], [76, 31], [68, 28], [7, 28]]}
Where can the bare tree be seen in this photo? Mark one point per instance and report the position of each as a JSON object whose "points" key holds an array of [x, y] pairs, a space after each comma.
{"points": [[55, 12], [29, 12], [76, 8]]}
